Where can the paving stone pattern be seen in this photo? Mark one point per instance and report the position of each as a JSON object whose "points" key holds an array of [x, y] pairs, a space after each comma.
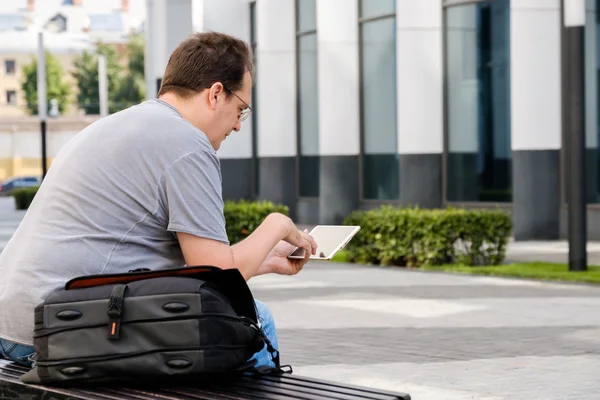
{"points": [[438, 336]]}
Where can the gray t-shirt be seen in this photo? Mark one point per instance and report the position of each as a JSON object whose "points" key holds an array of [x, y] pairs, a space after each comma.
{"points": [[112, 201]]}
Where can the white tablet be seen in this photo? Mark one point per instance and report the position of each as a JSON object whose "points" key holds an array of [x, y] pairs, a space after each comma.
{"points": [[330, 239]]}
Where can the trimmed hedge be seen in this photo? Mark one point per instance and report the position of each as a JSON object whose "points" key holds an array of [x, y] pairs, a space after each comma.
{"points": [[413, 237], [24, 197], [243, 217]]}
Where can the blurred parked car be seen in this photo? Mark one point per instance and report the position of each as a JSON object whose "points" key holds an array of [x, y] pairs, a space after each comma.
{"points": [[11, 184]]}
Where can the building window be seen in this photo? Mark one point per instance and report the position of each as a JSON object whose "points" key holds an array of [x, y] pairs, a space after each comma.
{"points": [[11, 97], [58, 23], [479, 156], [253, 117], [592, 102], [308, 98], [10, 67], [380, 164]]}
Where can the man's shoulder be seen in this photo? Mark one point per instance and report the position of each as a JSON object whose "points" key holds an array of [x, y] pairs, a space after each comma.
{"points": [[164, 122], [152, 127]]}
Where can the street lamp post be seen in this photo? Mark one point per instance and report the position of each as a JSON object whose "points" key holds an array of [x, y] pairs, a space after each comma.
{"points": [[574, 35], [102, 85], [42, 97]]}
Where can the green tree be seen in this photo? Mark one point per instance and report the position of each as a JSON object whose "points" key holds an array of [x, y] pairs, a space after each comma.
{"points": [[86, 73], [135, 48], [56, 86], [132, 89]]}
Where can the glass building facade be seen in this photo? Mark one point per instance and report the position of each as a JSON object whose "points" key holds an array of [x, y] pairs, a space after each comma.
{"points": [[466, 95]]}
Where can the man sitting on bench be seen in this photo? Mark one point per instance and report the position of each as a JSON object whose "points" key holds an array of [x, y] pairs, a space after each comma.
{"points": [[142, 189]]}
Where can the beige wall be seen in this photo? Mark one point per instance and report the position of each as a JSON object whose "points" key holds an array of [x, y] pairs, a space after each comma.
{"points": [[20, 142], [14, 82]]}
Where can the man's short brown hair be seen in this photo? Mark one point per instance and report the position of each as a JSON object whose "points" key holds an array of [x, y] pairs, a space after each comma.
{"points": [[203, 59]]}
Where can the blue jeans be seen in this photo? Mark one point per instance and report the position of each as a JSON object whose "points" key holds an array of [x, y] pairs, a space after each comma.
{"points": [[21, 354], [267, 323], [18, 353]]}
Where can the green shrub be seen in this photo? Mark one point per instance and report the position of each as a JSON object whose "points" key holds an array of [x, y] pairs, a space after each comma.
{"points": [[243, 217], [413, 237], [24, 197]]}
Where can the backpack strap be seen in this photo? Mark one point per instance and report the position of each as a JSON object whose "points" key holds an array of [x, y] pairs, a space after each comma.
{"points": [[274, 355], [271, 349]]}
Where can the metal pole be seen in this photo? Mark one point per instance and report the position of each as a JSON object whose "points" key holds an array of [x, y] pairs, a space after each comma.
{"points": [[42, 97], [102, 85], [574, 20], [150, 49]]}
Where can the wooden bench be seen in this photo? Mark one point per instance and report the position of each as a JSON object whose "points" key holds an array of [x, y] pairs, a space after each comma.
{"points": [[283, 386]]}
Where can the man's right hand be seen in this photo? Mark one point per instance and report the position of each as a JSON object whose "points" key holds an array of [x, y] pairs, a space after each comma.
{"points": [[298, 238]]}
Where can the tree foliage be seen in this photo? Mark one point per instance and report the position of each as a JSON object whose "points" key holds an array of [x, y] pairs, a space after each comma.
{"points": [[56, 85], [132, 89], [126, 85], [86, 74]]}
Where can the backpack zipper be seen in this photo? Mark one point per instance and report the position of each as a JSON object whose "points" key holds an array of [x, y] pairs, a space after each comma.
{"points": [[50, 331], [47, 363]]}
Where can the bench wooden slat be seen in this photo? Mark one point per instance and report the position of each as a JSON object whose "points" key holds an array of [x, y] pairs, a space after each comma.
{"points": [[243, 393], [194, 393], [127, 393], [300, 389], [252, 389], [342, 389], [269, 387], [274, 393]]}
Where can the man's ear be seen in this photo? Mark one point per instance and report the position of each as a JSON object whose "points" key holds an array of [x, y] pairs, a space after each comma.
{"points": [[215, 90]]}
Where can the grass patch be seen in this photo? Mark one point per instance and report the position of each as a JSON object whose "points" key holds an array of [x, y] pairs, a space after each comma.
{"points": [[530, 270]]}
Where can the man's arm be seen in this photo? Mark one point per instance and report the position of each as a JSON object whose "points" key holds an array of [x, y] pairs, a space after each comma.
{"points": [[248, 255], [191, 194]]}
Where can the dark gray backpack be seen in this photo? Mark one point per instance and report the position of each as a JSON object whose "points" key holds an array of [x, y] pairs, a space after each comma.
{"points": [[146, 326]]}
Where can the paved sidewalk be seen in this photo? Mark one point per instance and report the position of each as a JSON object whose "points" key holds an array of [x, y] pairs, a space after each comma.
{"points": [[433, 335], [438, 336]]}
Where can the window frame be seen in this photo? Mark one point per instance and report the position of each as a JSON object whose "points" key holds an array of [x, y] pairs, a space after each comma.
{"points": [[6, 94], [361, 109], [506, 206], [453, 3], [299, 34], [14, 67]]}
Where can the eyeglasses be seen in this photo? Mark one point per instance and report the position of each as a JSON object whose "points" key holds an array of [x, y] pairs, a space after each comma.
{"points": [[245, 113]]}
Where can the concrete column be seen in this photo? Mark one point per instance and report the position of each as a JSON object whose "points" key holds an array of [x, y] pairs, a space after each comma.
{"points": [[536, 117], [420, 101], [166, 27], [276, 95], [339, 113], [231, 17]]}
